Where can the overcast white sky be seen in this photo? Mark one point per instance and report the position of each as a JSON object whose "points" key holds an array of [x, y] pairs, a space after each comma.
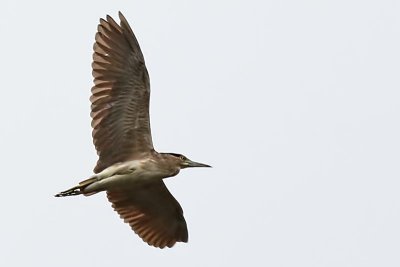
{"points": [[294, 103]]}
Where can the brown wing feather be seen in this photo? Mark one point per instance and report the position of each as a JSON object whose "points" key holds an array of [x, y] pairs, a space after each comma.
{"points": [[152, 212], [120, 96]]}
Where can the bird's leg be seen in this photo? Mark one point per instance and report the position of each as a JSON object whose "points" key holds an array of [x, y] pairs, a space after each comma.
{"points": [[76, 190]]}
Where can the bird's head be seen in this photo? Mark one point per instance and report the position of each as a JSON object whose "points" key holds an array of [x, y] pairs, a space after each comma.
{"points": [[184, 162]]}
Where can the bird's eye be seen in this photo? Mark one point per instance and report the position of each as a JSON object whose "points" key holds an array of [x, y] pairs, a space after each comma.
{"points": [[182, 157]]}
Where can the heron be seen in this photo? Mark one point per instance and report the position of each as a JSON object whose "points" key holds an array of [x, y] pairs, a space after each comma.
{"points": [[129, 169]]}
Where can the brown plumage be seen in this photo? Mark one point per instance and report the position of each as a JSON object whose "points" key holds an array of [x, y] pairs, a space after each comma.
{"points": [[158, 225], [120, 96], [121, 131], [128, 168]]}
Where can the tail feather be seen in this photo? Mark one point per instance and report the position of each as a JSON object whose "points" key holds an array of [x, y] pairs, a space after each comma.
{"points": [[78, 190]]}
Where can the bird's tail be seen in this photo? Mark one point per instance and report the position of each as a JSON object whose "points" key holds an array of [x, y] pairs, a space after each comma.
{"points": [[79, 189]]}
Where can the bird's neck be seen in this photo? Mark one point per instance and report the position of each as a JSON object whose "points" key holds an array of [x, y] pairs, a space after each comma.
{"points": [[164, 164]]}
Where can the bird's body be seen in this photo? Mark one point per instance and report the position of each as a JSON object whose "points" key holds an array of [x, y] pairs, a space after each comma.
{"points": [[131, 173], [128, 174], [129, 169]]}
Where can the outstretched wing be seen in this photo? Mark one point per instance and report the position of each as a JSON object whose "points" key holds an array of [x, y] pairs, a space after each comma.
{"points": [[120, 96], [152, 212]]}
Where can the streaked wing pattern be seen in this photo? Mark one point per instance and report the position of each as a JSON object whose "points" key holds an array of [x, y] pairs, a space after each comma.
{"points": [[120, 96], [152, 212]]}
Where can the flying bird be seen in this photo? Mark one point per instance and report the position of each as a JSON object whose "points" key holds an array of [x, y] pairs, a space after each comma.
{"points": [[129, 169]]}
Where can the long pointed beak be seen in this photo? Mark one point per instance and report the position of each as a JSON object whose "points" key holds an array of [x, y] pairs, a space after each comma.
{"points": [[189, 164]]}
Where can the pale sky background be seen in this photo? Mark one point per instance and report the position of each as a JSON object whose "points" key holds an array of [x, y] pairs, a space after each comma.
{"points": [[294, 103]]}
